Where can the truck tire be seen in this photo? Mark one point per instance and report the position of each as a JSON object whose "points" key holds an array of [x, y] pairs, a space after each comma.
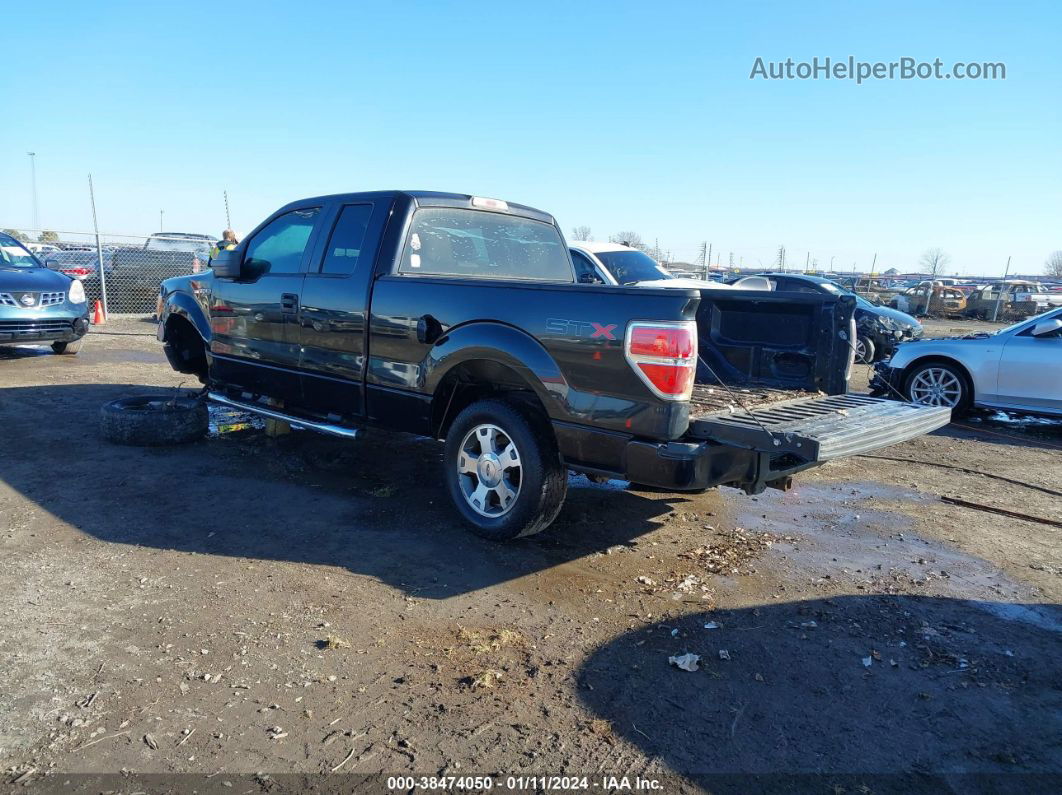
{"points": [[153, 420], [503, 471], [864, 350], [68, 348]]}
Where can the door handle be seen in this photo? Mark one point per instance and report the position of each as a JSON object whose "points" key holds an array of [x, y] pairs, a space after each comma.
{"points": [[289, 302]]}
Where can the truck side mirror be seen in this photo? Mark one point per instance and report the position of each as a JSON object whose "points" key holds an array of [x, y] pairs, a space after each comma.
{"points": [[227, 264], [1046, 327]]}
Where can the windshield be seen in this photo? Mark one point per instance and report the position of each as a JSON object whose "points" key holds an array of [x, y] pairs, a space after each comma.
{"points": [[14, 255], [628, 267]]}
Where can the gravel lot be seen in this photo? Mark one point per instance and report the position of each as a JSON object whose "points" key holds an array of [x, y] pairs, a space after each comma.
{"points": [[247, 605]]}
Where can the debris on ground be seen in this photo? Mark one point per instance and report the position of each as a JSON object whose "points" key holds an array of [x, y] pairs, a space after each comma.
{"points": [[687, 662], [733, 550], [151, 742], [487, 678], [646, 580], [334, 642], [724, 654], [711, 625]]}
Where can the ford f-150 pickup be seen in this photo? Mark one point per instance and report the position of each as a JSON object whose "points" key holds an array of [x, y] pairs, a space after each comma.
{"points": [[460, 318]]}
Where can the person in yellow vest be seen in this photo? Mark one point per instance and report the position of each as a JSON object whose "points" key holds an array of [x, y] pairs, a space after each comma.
{"points": [[227, 243]]}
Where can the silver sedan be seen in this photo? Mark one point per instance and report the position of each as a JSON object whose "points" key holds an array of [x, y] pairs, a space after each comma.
{"points": [[1018, 368]]}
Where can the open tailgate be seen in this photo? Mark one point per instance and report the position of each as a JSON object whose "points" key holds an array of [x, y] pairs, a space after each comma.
{"points": [[817, 429]]}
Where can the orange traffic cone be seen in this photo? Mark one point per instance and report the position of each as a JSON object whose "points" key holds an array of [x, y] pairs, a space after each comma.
{"points": [[98, 318]]}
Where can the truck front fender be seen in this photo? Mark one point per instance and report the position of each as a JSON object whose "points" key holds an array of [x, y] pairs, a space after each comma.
{"points": [[506, 345], [183, 305]]}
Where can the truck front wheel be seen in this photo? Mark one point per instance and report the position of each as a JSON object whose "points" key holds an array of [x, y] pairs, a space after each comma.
{"points": [[503, 471]]}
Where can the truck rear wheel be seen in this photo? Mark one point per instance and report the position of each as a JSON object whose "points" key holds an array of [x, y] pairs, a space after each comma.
{"points": [[503, 471]]}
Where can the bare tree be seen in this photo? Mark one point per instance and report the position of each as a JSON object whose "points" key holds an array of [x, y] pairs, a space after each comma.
{"points": [[632, 239], [934, 260], [1054, 264], [582, 233]]}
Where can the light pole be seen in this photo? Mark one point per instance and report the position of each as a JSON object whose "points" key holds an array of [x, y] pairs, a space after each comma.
{"points": [[161, 225], [33, 182], [831, 263]]}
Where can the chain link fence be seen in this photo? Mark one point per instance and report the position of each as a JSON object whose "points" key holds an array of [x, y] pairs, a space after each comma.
{"points": [[133, 266]]}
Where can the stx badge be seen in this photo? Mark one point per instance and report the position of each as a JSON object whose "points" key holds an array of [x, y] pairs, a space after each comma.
{"points": [[580, 328]]}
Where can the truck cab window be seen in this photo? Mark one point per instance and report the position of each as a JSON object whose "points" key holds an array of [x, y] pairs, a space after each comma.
{"points": [[280, 246], [487, 245], [344, 246]]}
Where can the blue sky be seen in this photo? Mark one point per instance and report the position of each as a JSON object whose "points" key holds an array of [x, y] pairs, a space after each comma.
{"points": [[615, 115]]}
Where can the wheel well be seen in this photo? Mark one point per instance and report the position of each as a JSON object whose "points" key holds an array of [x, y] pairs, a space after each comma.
{"points": [[188, 345], [940, 360], [475, 380]]}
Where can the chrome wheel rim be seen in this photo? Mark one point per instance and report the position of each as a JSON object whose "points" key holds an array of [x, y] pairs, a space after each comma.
{"points": [[489, 471], [860, 350], [935, 386]]}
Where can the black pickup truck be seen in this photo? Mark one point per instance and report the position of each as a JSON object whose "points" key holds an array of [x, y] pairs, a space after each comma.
{"points": [[460, 318]]}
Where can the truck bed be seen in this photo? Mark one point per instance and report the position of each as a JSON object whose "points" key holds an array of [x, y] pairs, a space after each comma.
{"points": [[811, 428], [711, 399]]}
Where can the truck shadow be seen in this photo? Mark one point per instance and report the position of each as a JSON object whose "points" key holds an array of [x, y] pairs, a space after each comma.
{"points": [[894, 693], [375, 506]]}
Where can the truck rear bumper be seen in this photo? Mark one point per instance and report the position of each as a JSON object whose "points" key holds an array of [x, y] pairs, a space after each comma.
{"points": [[695, 466], [754, 449]]}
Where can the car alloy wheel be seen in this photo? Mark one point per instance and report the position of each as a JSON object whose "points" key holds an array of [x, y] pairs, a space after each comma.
{"points": [[489, 471], [936, 386]]}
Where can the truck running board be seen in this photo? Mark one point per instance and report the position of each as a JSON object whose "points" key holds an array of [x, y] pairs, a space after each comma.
{"points": [[297, 422], [822, 428]]}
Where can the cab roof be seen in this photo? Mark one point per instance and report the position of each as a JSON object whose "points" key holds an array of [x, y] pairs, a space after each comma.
{"points": [[428, 198]]}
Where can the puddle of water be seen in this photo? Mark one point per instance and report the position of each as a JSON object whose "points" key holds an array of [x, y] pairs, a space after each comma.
{"points": [[845, 540]]}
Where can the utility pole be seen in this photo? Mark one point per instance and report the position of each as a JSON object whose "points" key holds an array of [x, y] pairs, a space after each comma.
{"points": [[161, 224], [99, 248], [999, 296], [807, 261], [228, 220], [33, 183], [708, 262]]}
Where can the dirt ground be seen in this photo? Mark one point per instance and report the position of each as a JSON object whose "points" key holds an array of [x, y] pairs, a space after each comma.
{"points": [[230, 614]]}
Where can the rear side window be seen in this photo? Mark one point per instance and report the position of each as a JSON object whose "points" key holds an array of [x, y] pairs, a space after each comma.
{"points": [[345, 246], [484, 245]]}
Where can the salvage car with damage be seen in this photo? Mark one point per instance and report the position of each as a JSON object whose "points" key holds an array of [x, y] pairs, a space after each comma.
{"points": [[1016, 369], [460, 318]]}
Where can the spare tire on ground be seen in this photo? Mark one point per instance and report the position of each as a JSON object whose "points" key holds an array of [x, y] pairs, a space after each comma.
{"points": [[150, 420]]}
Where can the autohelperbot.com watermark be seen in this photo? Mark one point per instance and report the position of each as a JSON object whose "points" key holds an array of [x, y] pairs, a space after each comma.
{"points": [[905, 68]]}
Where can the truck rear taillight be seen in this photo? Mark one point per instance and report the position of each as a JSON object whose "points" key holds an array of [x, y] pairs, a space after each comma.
{"points": [[77, 273], [664, 355]]}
